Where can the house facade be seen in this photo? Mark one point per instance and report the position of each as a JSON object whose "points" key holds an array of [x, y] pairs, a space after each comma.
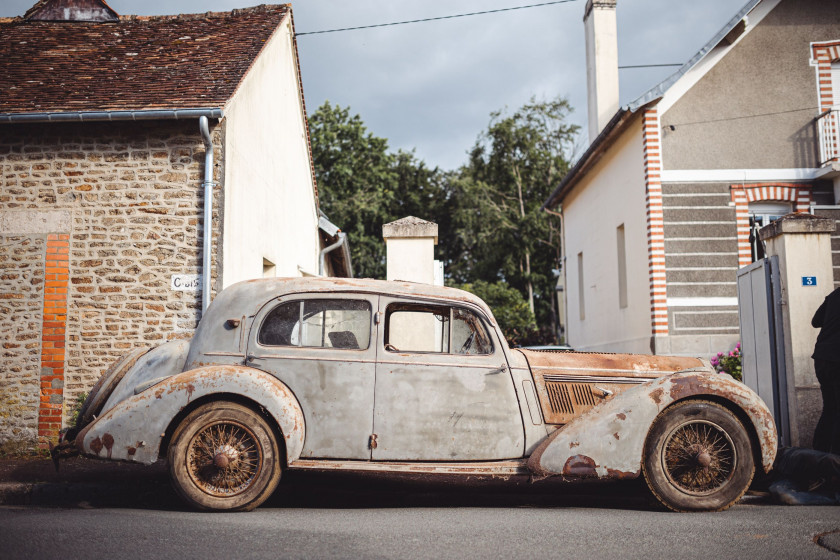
{"points": [[743, 133], [112, 129]]}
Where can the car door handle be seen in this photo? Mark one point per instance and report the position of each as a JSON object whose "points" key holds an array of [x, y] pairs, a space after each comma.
{"points": [[502, 368]]}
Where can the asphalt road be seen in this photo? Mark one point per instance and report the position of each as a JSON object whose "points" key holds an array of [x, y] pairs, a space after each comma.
{"points": [[417, 522]]}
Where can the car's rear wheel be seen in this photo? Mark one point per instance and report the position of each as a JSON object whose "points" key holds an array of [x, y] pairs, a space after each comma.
{"points": [[224, 457], [698, 457]]}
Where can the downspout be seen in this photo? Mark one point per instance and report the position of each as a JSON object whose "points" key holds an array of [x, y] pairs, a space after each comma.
{"points": [[322, 261], [208, 185]]}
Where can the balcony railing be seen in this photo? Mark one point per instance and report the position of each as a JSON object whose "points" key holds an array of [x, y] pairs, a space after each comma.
{"points": [[829, 127]]}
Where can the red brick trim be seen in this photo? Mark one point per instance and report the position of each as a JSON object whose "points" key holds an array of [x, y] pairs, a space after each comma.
{"points": [[54, 323], [822, 55], [742, 195], [655, 222]]}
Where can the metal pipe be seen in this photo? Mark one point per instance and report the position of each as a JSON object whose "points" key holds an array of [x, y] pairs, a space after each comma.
{"points": [[78, 116], [342, 237], [208, 185]]}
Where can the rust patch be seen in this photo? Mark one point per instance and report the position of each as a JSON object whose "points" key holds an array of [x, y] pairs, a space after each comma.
{"points": [[131, 451], [656, 395], [159, 393], [96, 445], [616, 436], [108, 442], [580, 465], [621, 475], [682, 387], [573, 444], [190, 390], [621, 416]]}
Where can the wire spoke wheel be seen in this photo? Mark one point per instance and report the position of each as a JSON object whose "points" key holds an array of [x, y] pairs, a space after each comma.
{"points": [[224, 458], [699, 457]]}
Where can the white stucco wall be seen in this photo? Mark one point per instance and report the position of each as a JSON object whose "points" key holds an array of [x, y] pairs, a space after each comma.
{"points": [[411, 259], [611, 194], [270, 209]]}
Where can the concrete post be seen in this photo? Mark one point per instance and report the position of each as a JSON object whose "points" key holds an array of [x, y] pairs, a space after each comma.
{"points": [[409, 244], [803, 244]]}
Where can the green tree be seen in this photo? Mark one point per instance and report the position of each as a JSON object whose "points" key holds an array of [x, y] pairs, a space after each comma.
{"points": [[363, 186], [509, 308], [499, 231]]}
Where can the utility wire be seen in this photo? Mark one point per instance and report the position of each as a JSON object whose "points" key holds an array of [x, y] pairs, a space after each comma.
{"points": [[739, 117], [434, 18]]}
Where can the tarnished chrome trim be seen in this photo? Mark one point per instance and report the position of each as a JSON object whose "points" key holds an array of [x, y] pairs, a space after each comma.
{"points": [[488, 367], [311, 358], [640, 372], [596, 379], [489, 468], [232, 354]]}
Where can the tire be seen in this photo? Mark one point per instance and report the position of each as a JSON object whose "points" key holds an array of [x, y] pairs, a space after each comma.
{"points": [[698, 457], [224, 457]]}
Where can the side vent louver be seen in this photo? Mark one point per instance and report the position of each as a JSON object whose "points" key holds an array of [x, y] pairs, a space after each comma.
{"points": [[568, 400]]}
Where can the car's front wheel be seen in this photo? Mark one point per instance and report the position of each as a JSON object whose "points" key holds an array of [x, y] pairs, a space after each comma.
{"points": [[224, 457], [698, 457]]}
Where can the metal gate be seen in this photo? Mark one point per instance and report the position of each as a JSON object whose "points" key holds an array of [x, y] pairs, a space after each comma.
{"points": [[762, 343]]}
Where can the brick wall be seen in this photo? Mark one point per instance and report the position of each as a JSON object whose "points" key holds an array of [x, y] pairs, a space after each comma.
{"points": [[133, 195]]}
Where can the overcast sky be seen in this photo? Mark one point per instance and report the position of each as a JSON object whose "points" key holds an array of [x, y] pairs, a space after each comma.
{"points": [[431, 86]]}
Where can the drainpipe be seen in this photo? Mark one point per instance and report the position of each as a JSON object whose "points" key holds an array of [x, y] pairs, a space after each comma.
{"points": [[342, 237], [208, 185]]}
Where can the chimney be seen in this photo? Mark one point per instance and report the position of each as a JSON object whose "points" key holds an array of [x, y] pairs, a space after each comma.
{"points": [[601, 63]]}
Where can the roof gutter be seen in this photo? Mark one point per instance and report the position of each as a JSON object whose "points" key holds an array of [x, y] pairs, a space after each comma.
{"points": [[99, 116]]}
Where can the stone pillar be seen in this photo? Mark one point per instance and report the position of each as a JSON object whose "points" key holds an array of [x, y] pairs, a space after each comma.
{"points": [[410, 244], [803, 244]]}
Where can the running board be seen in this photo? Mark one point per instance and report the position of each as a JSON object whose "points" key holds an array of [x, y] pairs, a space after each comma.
{"points": [[488, 468]]}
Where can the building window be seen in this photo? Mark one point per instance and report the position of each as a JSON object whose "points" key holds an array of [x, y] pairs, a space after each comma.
{"points": [[762, 214], [581, 302], [622, 266], [763, 203], [269, 270]]}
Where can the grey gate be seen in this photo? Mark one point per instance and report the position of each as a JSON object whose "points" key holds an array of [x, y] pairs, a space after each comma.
{"points": [[762, 343]]}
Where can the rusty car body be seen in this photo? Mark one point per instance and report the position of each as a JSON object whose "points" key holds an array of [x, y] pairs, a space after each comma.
{"points": [[367, 375]]}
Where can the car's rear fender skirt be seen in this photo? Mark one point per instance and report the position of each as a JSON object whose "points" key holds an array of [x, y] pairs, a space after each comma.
{"points": [[608, 441], [134, 429]]}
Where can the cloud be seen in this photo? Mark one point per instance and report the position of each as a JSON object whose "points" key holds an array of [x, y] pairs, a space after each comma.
{"points": [[432, 86]]}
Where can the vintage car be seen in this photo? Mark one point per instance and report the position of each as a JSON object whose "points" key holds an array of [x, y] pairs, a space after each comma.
{"points": [[367, 375]]}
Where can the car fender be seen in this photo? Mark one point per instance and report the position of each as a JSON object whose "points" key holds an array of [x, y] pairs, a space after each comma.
{"points": [[608, 441], [134, 429]]}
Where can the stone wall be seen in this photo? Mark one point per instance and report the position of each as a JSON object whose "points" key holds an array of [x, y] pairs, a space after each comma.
{"points": [[21, 285], [132, 194]]}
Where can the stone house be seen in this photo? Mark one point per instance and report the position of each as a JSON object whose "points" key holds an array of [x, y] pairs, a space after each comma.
{"points": [[105, 124], [743, 133]]}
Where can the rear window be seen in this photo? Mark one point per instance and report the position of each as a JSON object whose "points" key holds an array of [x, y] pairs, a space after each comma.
{"points": [[319, 323]]}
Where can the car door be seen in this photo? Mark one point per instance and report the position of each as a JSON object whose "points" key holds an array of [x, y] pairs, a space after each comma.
{"points": [[443, 389], [323, 347]]}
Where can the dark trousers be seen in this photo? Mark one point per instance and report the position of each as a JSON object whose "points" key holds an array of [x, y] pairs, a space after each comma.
{"points": [[827, 434]]}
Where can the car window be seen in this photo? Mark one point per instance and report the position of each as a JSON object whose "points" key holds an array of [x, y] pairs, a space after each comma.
{"points": [[427, 328], [324, 323]]}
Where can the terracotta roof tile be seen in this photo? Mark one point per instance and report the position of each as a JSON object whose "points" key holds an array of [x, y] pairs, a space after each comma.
{"points": [[160, 62]]}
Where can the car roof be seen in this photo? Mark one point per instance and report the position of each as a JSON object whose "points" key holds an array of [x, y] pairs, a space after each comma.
{"points": [[258, 291]]}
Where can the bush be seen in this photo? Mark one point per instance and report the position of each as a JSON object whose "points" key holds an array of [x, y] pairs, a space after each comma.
{"points": [[510, 309], [729, 363]]}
